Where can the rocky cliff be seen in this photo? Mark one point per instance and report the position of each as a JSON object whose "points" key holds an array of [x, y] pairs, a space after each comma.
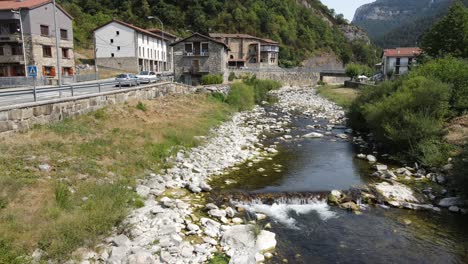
{"points": [[402, 19]]}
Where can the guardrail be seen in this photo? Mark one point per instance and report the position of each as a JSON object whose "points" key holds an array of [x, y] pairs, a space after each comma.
{"points": [[14, 96]]}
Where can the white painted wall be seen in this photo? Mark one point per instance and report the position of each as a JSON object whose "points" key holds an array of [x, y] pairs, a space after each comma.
{"points": [[151, 48], [125, 40], [390, 64]]}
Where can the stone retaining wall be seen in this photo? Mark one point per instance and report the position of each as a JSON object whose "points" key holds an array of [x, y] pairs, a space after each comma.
{"points": [[20, 118], [286, 77]]}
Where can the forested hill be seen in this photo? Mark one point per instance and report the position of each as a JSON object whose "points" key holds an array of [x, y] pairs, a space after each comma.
{"points": [[303, 27], [400, 23]]}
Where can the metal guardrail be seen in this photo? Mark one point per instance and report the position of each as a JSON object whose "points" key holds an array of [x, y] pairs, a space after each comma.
{"points": [[285, 70], [69, 90]]}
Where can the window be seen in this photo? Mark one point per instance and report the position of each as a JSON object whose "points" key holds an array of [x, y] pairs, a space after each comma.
{"points": [[47, 51], [204, 48], [397, 70], [117, 32], [410, 61], [44, 30], [118, 47], [63, 34], [48, 71], [67, 71], [65, 53], [1, 51], [16, 50], [112, 41], [139, 51], [112, 55], [398, 60], [188, 47]]}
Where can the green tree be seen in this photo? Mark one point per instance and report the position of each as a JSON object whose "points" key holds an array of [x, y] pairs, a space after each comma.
{"points": [[450, 35]]}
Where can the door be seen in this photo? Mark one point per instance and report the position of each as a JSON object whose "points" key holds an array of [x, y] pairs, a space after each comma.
{"points": [[195, 66]]}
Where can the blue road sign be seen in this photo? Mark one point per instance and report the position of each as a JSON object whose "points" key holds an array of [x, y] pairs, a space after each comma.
{"points": [[32, 70]]}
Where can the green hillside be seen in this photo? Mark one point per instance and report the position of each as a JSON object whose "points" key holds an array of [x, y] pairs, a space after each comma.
{"points": [[303, 28]]}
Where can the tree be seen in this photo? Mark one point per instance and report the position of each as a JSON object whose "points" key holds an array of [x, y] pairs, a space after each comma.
{"points": [[449, 35], [353, 70]]}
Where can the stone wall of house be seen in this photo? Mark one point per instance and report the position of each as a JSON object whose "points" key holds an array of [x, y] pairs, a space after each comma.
{"points": [[335, 80], [21, 118], [285, 76]]}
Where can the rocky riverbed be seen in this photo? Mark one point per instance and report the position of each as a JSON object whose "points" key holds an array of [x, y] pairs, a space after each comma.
{"points": [[177, 225]]}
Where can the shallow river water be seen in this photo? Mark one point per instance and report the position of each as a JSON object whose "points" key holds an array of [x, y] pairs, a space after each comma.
{"points": [[310, 231]]}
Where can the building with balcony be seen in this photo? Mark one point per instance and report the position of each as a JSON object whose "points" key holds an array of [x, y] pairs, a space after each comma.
{"points": [[198, 55], [128, 48], [36, 19], [249, 51], [398, 61]]}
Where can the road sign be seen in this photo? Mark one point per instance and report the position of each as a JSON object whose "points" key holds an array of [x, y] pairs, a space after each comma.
{"points": [[32, 70]]}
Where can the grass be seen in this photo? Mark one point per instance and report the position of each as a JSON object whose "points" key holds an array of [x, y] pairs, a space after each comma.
{"points": [[219, 259], [95, 158], [343, 97]]}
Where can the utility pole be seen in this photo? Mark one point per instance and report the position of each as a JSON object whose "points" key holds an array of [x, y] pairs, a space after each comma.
{"points": [[57, 46], [22, 39]]}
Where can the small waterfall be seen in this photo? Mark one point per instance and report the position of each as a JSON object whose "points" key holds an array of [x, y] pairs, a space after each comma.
{"points": [[285, 207]]}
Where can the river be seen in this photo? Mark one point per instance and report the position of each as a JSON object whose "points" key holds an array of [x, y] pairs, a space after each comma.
{"points": [[310, 231]]}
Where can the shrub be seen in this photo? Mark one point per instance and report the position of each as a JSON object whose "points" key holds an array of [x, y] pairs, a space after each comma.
{"points": [[242, 97], [231, 77], [141, 106], [353, 70], [262, 87], [211, 79], [219, 96], [460, 170]]}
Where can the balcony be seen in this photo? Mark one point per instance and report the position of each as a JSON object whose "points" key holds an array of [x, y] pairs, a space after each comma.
{"points": [[269, 48], [15, 38], [196, 54], [196, 70]]}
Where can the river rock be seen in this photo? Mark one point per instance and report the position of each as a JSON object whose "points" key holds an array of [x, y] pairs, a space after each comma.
{"points": [[266, 241], [141, 257], [313, 135], [350, 206], [371, 158], [381, 167], [237, 221], [396, 192], [217, 213], [259, 257], [143, 191], [454, 209], [230, 212], [451, 201], [210, 206], [361, 156], [44, 167]]}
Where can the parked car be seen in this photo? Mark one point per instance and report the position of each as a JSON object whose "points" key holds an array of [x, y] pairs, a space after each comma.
{"points": [[147, 77], [127, 79]]}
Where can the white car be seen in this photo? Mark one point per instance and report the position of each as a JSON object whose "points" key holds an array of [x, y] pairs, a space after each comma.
{"points": [[147, 77]]}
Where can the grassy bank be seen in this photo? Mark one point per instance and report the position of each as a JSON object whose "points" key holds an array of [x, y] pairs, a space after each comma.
{"points": [[93, 159], [343, 97]]}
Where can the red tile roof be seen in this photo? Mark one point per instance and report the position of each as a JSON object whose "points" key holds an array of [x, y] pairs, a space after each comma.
{"points": [[239, 35], [402, 52], [27, 4], [138, 29]]}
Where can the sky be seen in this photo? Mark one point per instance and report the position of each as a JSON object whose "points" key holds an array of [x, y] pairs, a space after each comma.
{"points": [[345, 7]]}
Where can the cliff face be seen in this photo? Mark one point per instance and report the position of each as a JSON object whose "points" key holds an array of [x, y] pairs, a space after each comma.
{"points": [[384, 16]]}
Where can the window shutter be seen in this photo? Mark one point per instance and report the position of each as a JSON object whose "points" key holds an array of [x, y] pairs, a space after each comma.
{"points": [[44, 71], [52, 72], [70, 71]]}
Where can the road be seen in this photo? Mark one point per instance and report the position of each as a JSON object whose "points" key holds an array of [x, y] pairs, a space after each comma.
{"points": [[25, 95]]}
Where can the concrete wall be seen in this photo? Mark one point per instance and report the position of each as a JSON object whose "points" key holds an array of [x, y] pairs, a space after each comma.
{"points": [[124, 64], [125, 40], [335, 80], [286, 77], [21, 118]]}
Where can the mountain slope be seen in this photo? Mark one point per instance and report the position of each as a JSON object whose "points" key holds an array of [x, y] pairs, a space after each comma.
{"points": [[303, 27], [392, 23]]}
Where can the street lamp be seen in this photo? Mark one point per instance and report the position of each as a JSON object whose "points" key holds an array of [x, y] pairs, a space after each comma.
{"points": [[162, 34], [22, 39]]}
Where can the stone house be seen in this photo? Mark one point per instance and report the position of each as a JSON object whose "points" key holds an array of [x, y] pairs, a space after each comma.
{"points": [[398, 61], [199, 55], [36, 19], [249, 51], [128, 48]]}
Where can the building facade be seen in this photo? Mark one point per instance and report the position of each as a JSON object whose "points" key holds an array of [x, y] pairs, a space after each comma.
{"points": [[398, 61], [125, 47], [249, 51], [36, 19], [199, 55]]}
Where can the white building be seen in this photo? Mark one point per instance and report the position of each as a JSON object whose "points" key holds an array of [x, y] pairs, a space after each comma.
{"points": [[398, 61], [125, 47]]}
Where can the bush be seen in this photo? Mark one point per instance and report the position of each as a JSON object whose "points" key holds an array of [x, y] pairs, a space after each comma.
{"points": [[353, 70], [219, 97], [211, 79], [460, 170], [406, 116], [241, 97], [262, 87], [231, 77], [141, 106]]}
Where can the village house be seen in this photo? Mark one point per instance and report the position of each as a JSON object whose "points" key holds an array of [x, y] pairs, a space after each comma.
{"points": [[398, 61], [27, 37], [198, 55], [249, 51], [125, 47]]}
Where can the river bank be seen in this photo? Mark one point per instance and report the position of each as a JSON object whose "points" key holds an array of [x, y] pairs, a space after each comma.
{"points": [[222, 197]]}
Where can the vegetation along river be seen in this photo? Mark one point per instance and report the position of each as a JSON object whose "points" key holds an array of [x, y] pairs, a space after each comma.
{"points": [[290, 188]]}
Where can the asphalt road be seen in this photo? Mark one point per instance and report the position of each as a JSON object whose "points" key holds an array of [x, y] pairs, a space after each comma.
{"points": [[25, 95]]}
